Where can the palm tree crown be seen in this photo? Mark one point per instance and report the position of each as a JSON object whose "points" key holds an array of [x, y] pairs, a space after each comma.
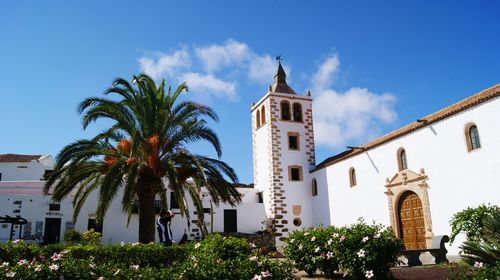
{"points": [[145, 147]]}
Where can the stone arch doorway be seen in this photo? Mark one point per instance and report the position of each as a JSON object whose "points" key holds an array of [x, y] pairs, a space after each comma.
{"points": [[411, 221]]}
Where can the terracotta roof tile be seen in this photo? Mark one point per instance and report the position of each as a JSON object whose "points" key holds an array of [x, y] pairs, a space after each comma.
{"points": [[472, 101], [18, 158]]}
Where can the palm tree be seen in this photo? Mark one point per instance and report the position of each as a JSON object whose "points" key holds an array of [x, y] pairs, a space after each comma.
{"points": [[144, 147]]}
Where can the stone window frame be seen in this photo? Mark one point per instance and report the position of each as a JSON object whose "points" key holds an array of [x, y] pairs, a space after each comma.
{"points": [[296, 134], [296, 106], [402, 159], [352, 177], [473, 141], [301, 175], [314, 187], [282, 103]]}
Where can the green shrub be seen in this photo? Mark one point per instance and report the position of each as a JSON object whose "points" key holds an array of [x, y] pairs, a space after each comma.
{"points": [[72, 236], [92, 237], [471, 221], [357, 251]]}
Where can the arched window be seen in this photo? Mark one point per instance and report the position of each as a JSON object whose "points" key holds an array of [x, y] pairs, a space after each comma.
{"points": [[285, 110], [297, 112], [402, 163], [263, 115], [314, 187], [472, 137], [352, 177], [258, 118]]}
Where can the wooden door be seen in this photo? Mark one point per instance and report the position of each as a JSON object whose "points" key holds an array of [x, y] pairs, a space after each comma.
{"points": [[411, 221], [230, 220]]}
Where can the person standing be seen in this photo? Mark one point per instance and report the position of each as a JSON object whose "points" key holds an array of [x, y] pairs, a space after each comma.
{"points": [[161, 226], [169, 237]]}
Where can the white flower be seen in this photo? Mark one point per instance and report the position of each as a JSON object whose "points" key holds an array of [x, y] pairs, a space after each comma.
{"points": [[361, 253], [306, 233], [197, 245], [65, 252], [117, 272], [254, 258], [252, 245], [365, 239], [329, 255], [17, 241], [292, 240], [101, 278], [91, 265], [313, 238], [135, 243], [300, 247], [135, 267], [335, 235], [369, 274], [5, 264], [266, 274], [38, 268], [122, 243], [329, 242], [53, 267], [478, 264], [256, 277], [316, 250], [22, 262], [10, 274], [377, 235]]}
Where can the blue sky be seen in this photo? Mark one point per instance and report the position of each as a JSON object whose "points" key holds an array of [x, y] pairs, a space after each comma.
{"points": [[372, 66]]}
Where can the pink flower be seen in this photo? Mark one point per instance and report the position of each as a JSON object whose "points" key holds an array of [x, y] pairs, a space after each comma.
{"points": [[54, 267], [266, 274], [252, 245], [329, 255], [56, 257], [101, 278], [369, 274], [256, 277], [10, 274], [361, 253], [365, 239], [478, 264], [342, 238], [329, 242], [22, 262]]}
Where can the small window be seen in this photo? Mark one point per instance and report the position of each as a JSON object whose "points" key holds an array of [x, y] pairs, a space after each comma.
{"points": [[297, 112], [295, 173], [352, 177], [174, 204], [285, 110], [260, 197], [0, 176], [474, 138], [258, 118], [263, 115], [293, 141], [54, 207], [314, 187], [402, 163]]}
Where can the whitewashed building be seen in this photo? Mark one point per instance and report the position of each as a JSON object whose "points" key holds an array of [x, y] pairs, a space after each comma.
{"points": [[412, 179]]}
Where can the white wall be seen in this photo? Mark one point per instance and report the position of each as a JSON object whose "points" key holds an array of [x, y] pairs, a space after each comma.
{"points": [[34, 170], [457, 179]]}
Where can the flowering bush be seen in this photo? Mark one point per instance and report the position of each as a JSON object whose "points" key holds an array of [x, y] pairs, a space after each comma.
{"points": [[217, 257], [358, 251]]}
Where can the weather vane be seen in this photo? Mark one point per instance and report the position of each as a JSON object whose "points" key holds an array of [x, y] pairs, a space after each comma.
{"points": [[278, 58]]}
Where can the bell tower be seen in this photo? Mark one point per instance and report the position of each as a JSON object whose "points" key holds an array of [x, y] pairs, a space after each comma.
{"points": [[283, 155]]}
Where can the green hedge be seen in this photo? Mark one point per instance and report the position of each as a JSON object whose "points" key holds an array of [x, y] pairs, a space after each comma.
{"points": [[215, 257]]}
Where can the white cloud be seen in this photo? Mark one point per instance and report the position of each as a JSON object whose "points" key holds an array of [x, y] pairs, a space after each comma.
{"points": [[207, 84], [214, 57], [350, 117], [160, 64]]}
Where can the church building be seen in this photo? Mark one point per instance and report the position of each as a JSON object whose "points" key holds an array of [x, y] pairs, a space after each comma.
{"points": [[413, 179]]}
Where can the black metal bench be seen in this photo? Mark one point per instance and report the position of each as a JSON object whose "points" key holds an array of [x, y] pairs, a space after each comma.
{"points": [[437, 250]]}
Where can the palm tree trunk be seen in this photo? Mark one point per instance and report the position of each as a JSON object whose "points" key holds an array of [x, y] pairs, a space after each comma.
{"points": [[146, 218]]}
